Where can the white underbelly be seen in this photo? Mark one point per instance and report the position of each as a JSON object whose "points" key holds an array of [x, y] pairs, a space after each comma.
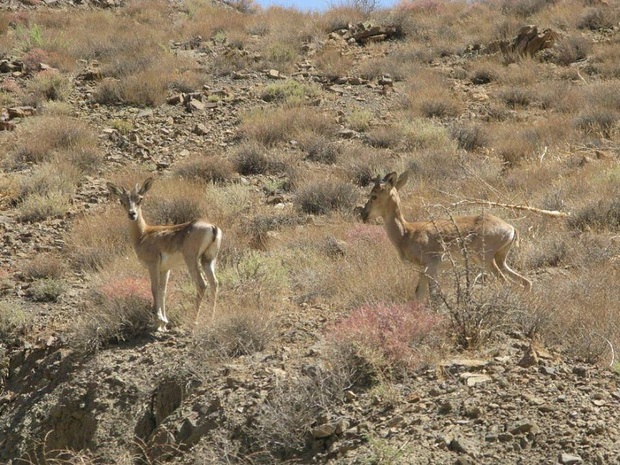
{"points": [[170, 261]]}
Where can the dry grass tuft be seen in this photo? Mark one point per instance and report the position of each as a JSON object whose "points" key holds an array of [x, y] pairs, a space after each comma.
{"points": [[252, 158], [95, 241], [45, 266], [15, 322], [209, 169], [275, 126], [241, 331], [325, 196], [44, 137]]}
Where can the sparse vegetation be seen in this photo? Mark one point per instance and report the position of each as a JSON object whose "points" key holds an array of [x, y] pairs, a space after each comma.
{"points": [[322, 197]]}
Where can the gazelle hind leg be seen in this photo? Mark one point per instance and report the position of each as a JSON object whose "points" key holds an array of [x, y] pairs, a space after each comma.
{"points": [[500, 259], [209, 269], [491, 265], [194, 267]]}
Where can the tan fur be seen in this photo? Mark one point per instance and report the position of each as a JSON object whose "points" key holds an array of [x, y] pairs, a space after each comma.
{"points": [[161, 248], [432, 245]]}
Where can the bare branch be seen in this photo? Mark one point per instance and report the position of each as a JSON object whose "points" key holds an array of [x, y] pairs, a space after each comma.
{"points": [[490, 203]]}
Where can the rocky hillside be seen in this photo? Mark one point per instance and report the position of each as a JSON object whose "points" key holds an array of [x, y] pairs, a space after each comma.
{"points": [[273, 125]]}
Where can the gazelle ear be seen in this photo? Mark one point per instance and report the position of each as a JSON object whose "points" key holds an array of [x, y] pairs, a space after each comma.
{"points": [[146, 186], [115, 190], [391, 178], [402, 180]]}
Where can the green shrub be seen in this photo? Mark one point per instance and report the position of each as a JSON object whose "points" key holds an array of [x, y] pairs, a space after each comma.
{"points": [[46, 290], [290, 91]]}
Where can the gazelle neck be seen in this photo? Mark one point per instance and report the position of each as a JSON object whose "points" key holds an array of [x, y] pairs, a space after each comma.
{"points": [[393, 219], [137, 228]]}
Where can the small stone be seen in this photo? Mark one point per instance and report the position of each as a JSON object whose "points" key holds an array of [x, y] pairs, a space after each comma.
{"points": [[570, 459], [323, 431], [582, 372]]}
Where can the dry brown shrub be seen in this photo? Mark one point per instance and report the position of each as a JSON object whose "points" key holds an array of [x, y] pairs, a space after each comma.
{"points": [[96, 240], [522, 8], [385, 137], [209, 169], [252, 158], [438, 168], [320, 149], [55, 176], [47, 85], [583, 312], [526, 142], [523, 73], [122, 44], [146, 88], [350, 280], [485, 71], [45, 266], [571, 49], [15, 322], [516, 97], [399, 65], [470, 138], [429, 94], [148, 12], [339, 17], [241, 330], [282, 428], [598, 18], [605, 59], [262, 225], [363, 164], [332, 63], [324, 195], [39, 207], [43, 137], [172, 201], [274, 126], [117, 310], [209, 21]]}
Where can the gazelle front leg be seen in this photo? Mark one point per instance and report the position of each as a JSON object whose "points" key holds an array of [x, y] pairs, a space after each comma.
{"points": [[163, 286], [156, 290], [427, 276]]}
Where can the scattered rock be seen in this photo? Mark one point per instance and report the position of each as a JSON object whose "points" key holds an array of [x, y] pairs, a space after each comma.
{"points": [[570, 459]]}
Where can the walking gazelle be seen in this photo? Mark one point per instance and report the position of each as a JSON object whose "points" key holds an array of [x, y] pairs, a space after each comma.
{"points": [[434, 245], [162, 248]]}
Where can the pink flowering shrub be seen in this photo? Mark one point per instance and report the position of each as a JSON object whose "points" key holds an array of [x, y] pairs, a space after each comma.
{"points": [[127, 287], [366, 233], [116, 311], [386, 339]]}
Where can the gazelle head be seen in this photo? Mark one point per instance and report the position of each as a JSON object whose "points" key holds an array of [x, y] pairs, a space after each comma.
{"points": [[131, 199], [380, 195]]}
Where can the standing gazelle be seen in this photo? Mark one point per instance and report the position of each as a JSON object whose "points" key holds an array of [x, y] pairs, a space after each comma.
{"points": [[162, 248], [433, 245]]}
